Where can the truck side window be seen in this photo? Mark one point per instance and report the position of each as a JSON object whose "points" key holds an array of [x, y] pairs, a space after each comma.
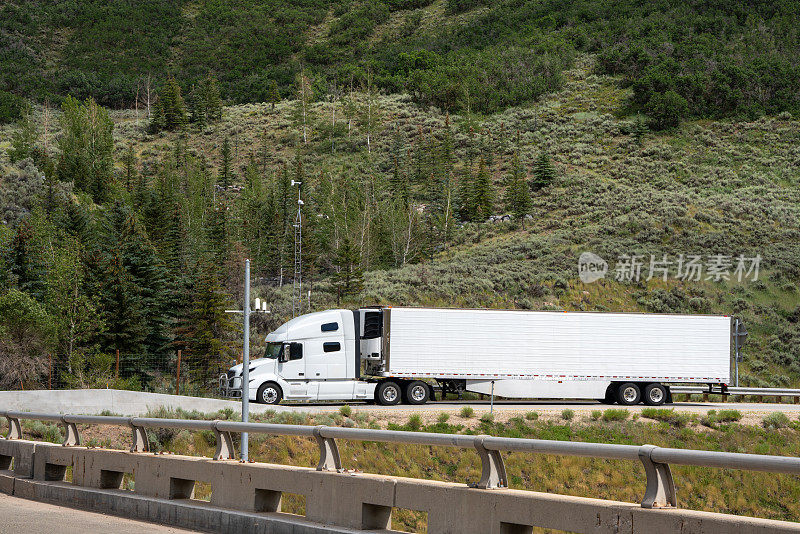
{"points": [[330, 327], [296, 351], [331, 346]]}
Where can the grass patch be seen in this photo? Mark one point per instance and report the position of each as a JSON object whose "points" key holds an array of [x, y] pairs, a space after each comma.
{"points": [[667, 415], [775, 421], [567, 414], [615, 414]]}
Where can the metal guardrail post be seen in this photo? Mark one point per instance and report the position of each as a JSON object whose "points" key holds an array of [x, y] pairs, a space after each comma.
{"points": [[140, 443], [71, 436], [493, 470], [660, 491], [225, 449], [329, 459], [14, 428]]}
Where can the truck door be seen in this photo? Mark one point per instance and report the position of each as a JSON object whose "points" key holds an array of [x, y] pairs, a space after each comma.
{"points": [[291, 364], [292, 368]]}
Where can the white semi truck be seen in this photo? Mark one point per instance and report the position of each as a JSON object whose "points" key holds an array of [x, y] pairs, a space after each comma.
{"points": [[390, 355]]}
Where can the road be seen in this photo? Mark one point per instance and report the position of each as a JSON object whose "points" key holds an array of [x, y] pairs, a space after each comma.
{"points": [[452, 406], [22, 515]]}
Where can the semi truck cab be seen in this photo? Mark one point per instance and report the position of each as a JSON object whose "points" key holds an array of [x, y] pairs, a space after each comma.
{"points": [[316, 356]]}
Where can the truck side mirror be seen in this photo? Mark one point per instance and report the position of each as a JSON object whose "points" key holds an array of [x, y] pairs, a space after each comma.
{"points": [[283, 357]]}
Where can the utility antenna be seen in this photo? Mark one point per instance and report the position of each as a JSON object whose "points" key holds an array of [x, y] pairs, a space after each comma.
{"points": [[297, 282]]}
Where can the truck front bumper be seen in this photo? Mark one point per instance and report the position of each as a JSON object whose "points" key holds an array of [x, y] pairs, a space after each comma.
{"points": [[230, 386]]}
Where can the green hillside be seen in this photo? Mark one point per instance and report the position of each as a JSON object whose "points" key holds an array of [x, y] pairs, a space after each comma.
{"points": [[623, 131], [701, 59]]}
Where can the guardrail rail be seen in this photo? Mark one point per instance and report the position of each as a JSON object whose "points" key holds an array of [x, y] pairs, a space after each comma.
{"points": [[659, 491]]}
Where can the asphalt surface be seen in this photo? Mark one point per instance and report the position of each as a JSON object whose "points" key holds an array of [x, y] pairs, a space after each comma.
{"points": [[22, 515], [544, 406]]}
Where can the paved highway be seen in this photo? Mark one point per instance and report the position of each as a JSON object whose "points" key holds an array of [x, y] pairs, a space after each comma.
{"points": [[22, 515], [453, 406]]}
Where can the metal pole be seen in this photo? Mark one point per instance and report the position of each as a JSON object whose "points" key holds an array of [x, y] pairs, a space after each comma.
{"points": [[246, 359], [491, 402], [178, 377], [736, 346]]}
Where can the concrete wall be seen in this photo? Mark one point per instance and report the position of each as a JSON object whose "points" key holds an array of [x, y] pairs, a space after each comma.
{"points": [[335, 502], [129, 403]]}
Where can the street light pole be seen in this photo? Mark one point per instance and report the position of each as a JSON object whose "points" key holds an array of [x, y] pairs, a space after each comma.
{"points": [[246, 311], [246, 360]]}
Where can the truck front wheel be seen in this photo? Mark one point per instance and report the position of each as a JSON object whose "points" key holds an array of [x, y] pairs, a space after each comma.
{"points": [[417, 392], [629, 394], [269, 393], [388, 393], [655, 394]]}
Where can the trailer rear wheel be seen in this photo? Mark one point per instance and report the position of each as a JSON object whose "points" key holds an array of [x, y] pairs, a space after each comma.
{"points": [[417, 392], [629, 394], [655, 394], [388, 393]]}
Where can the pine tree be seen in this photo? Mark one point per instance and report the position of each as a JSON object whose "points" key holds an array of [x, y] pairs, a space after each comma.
{"points": [[518, 194], [640, 129], [204, 332], [543, 172], [482, 197], [225, 176], [197, 107], [212, 98], [170, 110], [24, 138], [129, 163], [273, 97]]}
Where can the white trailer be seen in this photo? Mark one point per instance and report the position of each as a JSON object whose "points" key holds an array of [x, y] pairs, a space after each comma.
{"points": [[391, 355]]}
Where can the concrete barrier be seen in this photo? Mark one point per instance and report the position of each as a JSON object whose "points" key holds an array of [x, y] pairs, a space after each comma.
{"points": [[129, 403], [247, 496]]}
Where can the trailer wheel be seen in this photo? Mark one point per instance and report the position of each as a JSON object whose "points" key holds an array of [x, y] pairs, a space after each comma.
{"points": [[611, 395], [655, 394], [629, 394], [388, 393], [417, 392]]}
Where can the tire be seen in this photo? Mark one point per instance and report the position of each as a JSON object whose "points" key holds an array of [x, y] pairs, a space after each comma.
{"points": [[629, 394], [269, 393], [417, 392], [388, 393], [611, 395], [655, 394]]}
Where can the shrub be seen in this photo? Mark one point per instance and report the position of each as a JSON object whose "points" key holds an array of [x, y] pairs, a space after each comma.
{"points": [[467, 412], [414, 422], [487, 418], [567, 414], [775, 420], [443, 417], [667, 416], [346, 410], [596, 414], [532, 416], [727, 416], [666, 109], [615, 414]]}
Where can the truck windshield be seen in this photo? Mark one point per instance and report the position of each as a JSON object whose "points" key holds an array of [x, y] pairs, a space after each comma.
{"points": [[273, 350]]}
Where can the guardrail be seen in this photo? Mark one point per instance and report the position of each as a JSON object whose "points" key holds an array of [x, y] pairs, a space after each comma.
{"points": [[659, 492], [738, 391]]}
